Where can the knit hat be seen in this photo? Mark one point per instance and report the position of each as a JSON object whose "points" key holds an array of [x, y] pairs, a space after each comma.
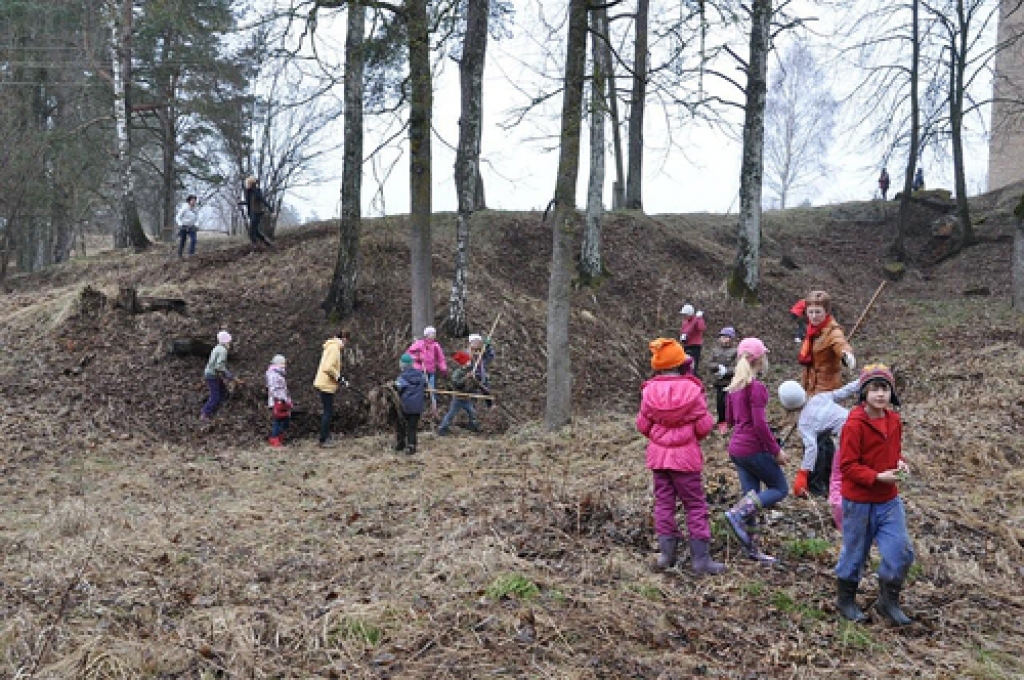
{"points": [[792, 395], [279, 360], [667, 353], [687, 310], [462, 358], [406, 360], [223, 337], [821, 299], [475, 337], [728, 332], [752, 347], [429, 332], [877, 373]]}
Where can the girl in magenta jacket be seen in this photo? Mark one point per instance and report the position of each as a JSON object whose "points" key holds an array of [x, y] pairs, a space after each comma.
{"points": [[674, 417]]}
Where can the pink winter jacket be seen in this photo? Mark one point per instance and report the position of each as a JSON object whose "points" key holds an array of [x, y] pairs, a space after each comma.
{"points": [[674, 417], [427, 356]]}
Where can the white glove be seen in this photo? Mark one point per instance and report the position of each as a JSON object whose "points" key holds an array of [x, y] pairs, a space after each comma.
{"points": [[798, 340], [699, 314], [721, 371], [682, 338], [849, 361]]}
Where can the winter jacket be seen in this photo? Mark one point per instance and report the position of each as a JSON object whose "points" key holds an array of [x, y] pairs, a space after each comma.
{"points": [[217, 366], [825, 372], [722, 356], [693, 328], [411, 387], [674, 417], [745, 413], [427, 356], [254, 201], [329, 372], [822, 413], [460, 378], [277, 386], [867, 447]]}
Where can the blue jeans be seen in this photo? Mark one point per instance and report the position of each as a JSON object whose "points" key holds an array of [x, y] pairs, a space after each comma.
{"points": [[431, 382], [881, 523], [762, 468], [189, 233], [458, 405], [280, 425]]}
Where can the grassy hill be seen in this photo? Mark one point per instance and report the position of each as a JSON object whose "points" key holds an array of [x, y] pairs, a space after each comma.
{"points": [[138, 543]]}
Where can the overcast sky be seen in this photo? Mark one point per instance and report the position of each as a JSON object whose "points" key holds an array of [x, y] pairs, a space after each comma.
{"points": [[697, 172]]}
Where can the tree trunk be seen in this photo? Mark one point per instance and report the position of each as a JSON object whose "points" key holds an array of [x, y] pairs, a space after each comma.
{"points": [[745, 280], [590, 254], [898, 250], [129, 230], [558, 406], [420, 110], [636, 110], [341, 298], [1018, 258], [169, 145], [467, 159], [5, 254], [608, 68], [957, 67]]}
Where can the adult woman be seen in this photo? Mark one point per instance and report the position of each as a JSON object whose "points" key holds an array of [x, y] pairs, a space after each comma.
{"points": [[824, 350], [256, 205]]}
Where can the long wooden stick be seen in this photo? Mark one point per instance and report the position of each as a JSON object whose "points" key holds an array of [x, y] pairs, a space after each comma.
{"points": [[464, 395], [484, 350], [863, 314]]}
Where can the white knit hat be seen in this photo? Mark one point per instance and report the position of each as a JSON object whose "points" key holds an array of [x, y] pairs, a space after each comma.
{"points": [[476, 337], [279, 360], [792, 395], [429, 332], [687, 310], [223, 337]]}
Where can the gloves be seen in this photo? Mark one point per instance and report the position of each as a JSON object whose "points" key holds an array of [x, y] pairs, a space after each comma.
{"points": [[682, 338], [800, 484], [699, 314], [849, 361], [721, 371]]}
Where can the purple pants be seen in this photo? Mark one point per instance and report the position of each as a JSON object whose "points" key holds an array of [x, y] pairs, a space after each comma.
{"points": [[673, 485], [216, 386]]}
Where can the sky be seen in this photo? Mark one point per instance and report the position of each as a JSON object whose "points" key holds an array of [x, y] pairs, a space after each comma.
{"points": [[697, 172]]}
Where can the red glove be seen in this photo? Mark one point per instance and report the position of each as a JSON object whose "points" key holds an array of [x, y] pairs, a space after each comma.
{"points": [[800, 484]]}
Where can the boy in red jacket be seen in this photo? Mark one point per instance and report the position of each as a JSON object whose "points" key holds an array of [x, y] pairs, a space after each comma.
{"points": [[872, 462]]}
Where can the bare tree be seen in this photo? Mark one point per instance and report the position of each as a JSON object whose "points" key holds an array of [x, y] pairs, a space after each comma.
{"points": [[799, 124], [420, 114], [558, 406], [634, 172], [897, 249], [590, 253], [467, 161]]}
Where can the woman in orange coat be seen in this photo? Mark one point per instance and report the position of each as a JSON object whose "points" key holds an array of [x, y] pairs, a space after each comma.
{"points": [[824, 350]]}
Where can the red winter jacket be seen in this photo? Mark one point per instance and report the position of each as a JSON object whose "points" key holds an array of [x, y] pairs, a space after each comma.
{"points": [[867, 447], [674, 417], [693, 328]]}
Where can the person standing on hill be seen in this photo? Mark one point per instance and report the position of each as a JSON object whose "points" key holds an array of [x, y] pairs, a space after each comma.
{"points": [[328, 380], [460, 383], [674, 417], [918, 184], [188, 225], [256, 206], [278, 399], [691, 334], [720, 366], [824, 350], [216, 375], [883, 183], [428, 356], [411, 385]]}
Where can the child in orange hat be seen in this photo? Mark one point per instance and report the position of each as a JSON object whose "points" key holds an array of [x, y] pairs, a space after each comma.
{"points": [[460, 383], [674, 417]]}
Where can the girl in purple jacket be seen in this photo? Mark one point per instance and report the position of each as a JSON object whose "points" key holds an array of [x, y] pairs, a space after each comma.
{"points": [[753, 449], [674, 417]]}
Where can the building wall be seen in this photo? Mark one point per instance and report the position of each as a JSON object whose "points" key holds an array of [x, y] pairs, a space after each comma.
{"points": [[1006, 145]]}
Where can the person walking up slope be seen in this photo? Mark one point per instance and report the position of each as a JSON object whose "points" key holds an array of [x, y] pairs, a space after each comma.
{"points": [[871, 462], [674, 418], [753, 448], [278, 400]]}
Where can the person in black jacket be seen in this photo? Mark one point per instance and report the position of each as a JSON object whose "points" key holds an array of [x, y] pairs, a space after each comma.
{"points": [[256, 205], [411, 385]]}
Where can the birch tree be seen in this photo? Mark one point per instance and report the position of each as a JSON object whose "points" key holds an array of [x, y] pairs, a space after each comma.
{"points": [[590, 254], [558, 403]]}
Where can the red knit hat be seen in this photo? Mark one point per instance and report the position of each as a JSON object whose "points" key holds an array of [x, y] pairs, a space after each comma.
{"points": [[666, 353], [876, 373], [462, 358]]}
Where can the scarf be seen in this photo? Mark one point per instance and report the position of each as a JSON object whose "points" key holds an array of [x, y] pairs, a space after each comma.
{"points": [[806, 357]]}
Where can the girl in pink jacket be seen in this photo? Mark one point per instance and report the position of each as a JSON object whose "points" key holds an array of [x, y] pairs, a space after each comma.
{"points": [[674, 417], [427, 356]]}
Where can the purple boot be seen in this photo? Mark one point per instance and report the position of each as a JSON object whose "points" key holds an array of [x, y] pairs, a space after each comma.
{"points": [[701, 558], [667, 558], [742, 515]]}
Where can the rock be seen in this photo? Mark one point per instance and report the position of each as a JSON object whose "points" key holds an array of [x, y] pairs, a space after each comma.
{"points": [[894, 271]]}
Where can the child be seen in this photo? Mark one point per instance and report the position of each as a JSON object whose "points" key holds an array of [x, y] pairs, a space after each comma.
{"points": [[460, 383], [674, 418], [824, 347], [691, 334], [720, 367], [871, 461], [753, 448], [278, 400], [411, 386], [482, 351], [216, 374], [327, 382], [428, 357]]}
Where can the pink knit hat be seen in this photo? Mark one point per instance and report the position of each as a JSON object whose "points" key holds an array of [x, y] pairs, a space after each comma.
{"points": [[223, 337], [752, 347]]}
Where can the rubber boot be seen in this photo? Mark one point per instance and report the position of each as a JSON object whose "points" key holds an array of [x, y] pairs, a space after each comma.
{"points": [[888, 603], [754, 551], [847, 601], [275, 442], [800, 484], [700, 558], [667, 558], [742, 514]]}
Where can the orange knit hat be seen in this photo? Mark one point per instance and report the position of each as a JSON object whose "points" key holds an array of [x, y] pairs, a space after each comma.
{"points": [[666, 353]]}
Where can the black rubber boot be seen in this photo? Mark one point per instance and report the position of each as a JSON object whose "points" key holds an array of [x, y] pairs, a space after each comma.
{"points": [[888, 603], [847, 602]]}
